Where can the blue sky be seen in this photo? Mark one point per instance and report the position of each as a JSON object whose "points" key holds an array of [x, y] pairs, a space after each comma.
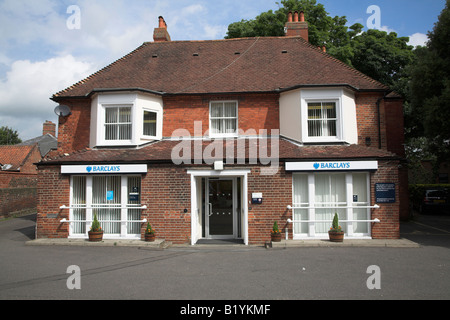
{"points": [[41, 55]]}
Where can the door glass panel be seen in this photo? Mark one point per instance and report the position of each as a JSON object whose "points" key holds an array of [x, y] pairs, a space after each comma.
{"points": [[220, 207], [106, 202]]}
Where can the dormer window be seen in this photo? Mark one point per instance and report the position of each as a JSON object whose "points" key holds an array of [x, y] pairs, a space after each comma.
{"points": [[125, 119]]}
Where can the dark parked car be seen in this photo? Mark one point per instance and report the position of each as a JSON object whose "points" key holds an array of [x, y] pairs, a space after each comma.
{"points": [[435, 201]]}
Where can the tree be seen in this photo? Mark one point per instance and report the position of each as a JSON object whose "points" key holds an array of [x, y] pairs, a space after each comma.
{"points": [[9, 136], [378, 54], [429, 90]]}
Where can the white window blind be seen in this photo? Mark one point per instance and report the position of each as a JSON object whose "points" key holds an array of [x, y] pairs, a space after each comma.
{"points": [[118, 125], [223, 116], [322, 119]]}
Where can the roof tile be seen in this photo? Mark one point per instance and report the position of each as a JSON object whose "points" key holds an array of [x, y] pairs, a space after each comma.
{"points": [[264, 64]]}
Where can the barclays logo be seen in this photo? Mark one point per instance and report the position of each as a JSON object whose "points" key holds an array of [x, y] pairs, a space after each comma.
{"points": [[89, 169], [316, 166]]}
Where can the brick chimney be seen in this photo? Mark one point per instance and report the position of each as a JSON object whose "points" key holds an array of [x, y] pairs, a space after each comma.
{"points": [[161, 33], [49, 128], [296, 25]]}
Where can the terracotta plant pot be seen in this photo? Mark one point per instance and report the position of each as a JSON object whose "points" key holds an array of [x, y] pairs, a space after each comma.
{"points": [[336, 236], [150, 237], [95, 236], [276, 237]]}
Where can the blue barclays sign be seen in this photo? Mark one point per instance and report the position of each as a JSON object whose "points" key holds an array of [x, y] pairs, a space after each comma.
{"points": [[104, 169], [332, 166]]}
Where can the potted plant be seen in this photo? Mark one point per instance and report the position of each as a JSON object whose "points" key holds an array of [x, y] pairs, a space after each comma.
{"points": [[275, 234], [149, 233], [96, 233], [336, 234]]}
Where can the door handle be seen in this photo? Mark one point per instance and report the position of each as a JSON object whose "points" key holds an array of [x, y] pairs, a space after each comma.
{"points": [[210, 210]]}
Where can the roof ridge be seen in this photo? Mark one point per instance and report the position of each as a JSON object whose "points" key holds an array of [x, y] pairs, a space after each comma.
{"points": [[354, 70]]}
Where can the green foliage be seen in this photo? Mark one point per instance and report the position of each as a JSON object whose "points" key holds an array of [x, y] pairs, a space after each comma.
{"points": [[96, 225], [377, 54], [335, 227], [149, 229], [9, 136], [275, 228], [429, 91]]}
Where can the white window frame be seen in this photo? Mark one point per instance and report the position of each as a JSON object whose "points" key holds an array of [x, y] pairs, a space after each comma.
{"points": [[132, 129], [221, 134], [322, 96], [322, 126], [157, 124], [349, 206], [138, 103], [88, 207], [305, 121]]}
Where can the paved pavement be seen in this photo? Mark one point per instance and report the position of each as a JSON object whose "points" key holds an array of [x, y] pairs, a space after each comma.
{"points": [[416, 267]]}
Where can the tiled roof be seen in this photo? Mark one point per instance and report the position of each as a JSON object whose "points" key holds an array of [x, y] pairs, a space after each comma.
{"points": [[162, 152], [15, 155], [264, 64]]}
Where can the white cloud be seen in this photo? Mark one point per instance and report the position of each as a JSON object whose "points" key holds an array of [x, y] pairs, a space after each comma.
{"points": [[28, 86], [418, 39], [387, 29]]}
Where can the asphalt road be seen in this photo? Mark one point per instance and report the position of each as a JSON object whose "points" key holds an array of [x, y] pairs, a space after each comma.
{"points": [[237, 273]]}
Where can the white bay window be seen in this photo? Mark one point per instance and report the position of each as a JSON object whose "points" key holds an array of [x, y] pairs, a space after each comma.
{"points": [[125, 119]]}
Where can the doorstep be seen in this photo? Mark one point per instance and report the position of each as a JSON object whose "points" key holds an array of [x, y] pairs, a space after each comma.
{"points": [[158, 243], [390, 243]]}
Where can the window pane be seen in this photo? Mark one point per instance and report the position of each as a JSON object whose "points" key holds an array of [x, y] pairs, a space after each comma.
{"points": [[110, 132], [134, 198], [79, 202], [322, 121], [230, 126], [301, 200], [150, 123], [111, 115], [330, 110], [124, 115], [216, 109], [230, 109], [314, 111], [124, 132], [106, 192], [216, 126]]}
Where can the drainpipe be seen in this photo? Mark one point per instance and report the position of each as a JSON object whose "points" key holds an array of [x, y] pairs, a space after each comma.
{"points": [[379, 117]]}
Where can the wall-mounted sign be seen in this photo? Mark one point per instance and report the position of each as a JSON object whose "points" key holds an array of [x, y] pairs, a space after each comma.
{"points": [[385, 192], [332, 166], [104, 169], [257, 198]]}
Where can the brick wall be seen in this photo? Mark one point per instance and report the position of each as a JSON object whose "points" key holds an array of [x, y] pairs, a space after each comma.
{"points": [[256, 111], [166, 191], [18, 193], [367, 119], [17, 201], [388, 213], [53, 192], [74, 130]]}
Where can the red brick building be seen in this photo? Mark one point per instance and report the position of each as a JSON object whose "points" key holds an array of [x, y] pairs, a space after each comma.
{"points": [[219, 139]]}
